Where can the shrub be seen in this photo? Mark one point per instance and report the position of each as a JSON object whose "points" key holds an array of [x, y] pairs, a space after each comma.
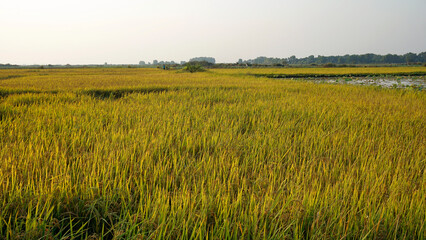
{"points": [[327, 65], [193, 68]]}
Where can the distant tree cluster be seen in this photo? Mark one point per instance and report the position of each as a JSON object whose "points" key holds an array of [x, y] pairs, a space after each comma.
{"points": [[267, 61], [156, 62], [8, 65], [203, 59], [209, 62], [369, 58]]}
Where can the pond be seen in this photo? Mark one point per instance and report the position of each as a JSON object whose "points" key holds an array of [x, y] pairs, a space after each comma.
{"points": [[391, 82]]}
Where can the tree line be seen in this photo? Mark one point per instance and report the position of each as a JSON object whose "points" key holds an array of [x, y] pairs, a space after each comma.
{"points": [[369, 58]]}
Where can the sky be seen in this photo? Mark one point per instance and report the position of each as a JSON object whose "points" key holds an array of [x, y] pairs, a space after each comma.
{"points": [[129, 31]]}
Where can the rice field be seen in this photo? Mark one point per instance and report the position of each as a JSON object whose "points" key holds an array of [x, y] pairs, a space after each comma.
{"points": [[153, 154], [340, 70]]}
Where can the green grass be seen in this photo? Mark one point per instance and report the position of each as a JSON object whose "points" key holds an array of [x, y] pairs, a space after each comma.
{"points": [[164, 155]]}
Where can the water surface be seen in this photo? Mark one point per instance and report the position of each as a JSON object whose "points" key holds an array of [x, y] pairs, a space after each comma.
{"points": [[388, 82]]}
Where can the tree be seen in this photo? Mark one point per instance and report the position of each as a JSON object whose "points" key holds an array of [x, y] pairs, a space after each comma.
{"points": [[292, 59], [410, 57], [203, 59], [421, 57]]}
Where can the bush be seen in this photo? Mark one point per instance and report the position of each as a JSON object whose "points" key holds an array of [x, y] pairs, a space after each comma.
{"points": [[327, 65], [202, 63], [193, 68]]}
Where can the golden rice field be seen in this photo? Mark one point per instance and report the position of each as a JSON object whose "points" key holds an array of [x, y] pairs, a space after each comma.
{"points": [[152, 154], [348, 70]]}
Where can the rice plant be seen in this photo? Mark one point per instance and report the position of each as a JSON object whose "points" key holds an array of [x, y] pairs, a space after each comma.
{"points": [[151, 154]]}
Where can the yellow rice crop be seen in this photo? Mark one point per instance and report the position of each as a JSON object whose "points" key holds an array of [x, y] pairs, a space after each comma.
{"points": [[208, 155], [346, 70]]}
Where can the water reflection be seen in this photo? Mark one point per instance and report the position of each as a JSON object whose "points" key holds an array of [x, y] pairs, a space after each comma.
{"points": [[396, 82]]}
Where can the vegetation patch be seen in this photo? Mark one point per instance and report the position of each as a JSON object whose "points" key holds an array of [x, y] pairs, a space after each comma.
{"points": [[193, 67], [9, 92], [9, 77], [6, 112], [119, 93]]}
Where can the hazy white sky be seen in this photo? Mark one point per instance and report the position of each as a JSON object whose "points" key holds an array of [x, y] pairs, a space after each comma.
{"points": [[127, 31]]}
